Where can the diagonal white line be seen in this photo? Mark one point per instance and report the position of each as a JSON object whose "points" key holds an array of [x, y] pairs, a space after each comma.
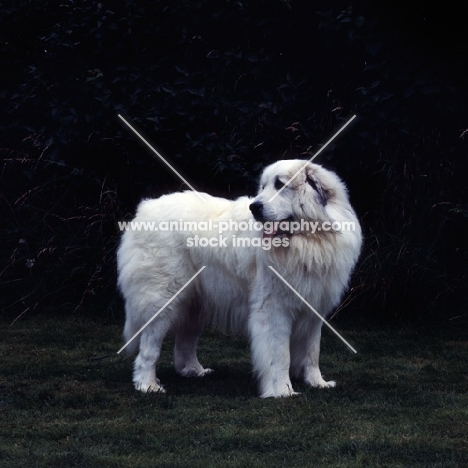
{"points": [[312, 158], [312, 309], [159, 156], [161, 309]]}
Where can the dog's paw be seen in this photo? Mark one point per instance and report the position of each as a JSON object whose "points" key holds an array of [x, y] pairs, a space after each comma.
{"points": [[150, 388], [280, 395], [321, 383], [283, 392], [329, 384], [192, 372]]}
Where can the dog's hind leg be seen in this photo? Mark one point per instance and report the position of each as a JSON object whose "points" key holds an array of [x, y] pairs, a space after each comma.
{"points": [[144, 373], [185, 350]]}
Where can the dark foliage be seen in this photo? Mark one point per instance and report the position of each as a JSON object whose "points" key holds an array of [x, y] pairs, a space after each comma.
{"points": [[222, 88]]}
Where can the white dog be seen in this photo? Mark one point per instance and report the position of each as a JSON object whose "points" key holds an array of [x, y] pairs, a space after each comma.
{"points": [[314, 248]]}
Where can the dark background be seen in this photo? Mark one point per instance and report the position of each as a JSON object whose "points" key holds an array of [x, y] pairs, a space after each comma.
{"points": [[223, 88]]}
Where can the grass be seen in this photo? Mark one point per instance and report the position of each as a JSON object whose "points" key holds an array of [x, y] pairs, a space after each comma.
{"points": [[66, 399]]}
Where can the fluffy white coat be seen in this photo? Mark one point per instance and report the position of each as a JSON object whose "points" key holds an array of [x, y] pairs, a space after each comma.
{"points": [[237, 292]]}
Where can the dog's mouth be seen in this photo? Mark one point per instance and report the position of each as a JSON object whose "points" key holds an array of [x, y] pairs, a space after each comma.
{"points": [[281, 228]]}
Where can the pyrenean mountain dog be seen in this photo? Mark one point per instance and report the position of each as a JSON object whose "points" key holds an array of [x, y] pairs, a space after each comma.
{"points": [[304, 229]]}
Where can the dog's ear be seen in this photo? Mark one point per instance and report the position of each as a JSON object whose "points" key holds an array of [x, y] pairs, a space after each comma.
{"points": [[314, 182]]}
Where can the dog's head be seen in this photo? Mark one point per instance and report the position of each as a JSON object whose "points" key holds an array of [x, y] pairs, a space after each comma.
{"points": [[295, 190]]}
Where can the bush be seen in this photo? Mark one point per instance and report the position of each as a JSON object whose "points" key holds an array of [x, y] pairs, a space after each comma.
{"points": [[222, 89]]}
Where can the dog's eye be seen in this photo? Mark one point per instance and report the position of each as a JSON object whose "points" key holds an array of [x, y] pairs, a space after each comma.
{"points": [[278, 184]]}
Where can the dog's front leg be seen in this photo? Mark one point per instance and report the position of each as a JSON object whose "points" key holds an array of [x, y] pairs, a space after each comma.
{"points": [[270, 332], [305, 352]]}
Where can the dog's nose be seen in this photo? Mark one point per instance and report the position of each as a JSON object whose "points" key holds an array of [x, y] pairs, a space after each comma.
{"points": [[256, 208]]}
